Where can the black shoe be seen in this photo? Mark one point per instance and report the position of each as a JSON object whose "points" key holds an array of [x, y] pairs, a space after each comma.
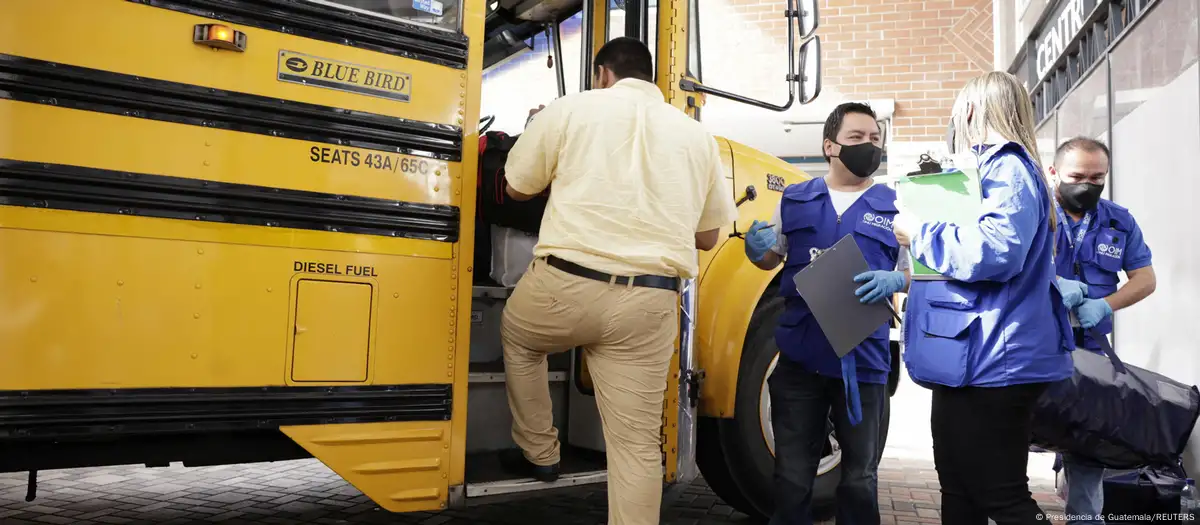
{"points": [[513, 461]]}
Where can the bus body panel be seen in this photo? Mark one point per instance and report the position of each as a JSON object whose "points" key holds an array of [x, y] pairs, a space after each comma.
{"points": [[115, 142], [400, 466], [155, 42], [206, 242], [732, 285]]}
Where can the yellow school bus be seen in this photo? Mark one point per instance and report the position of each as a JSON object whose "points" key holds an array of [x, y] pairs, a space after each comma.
{"points": [[244, 230]]}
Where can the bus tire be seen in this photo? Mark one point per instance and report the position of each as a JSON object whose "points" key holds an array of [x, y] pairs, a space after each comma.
{"points": [[741, 474], [713, 467]]}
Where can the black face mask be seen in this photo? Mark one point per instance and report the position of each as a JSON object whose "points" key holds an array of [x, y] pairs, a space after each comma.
{"points": [[1079, 197], [861, 159]]}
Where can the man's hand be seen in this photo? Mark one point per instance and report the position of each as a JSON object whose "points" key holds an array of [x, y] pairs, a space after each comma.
{"points": [[759, 239], [881, 284], [533, 112], [1073, 292], [1092, 311]]}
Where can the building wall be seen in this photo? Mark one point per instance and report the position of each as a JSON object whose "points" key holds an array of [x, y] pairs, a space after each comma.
{"points": [[1140, 94], [917, 52]]}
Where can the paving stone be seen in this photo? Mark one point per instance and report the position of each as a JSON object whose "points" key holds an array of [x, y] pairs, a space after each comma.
{"points": [[307, 493]]}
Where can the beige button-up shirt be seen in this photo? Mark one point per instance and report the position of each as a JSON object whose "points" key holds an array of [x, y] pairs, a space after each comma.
{"points": [[632, 179]]}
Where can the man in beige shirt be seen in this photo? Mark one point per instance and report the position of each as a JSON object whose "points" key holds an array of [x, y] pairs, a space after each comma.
{"points": [[636, 187]]}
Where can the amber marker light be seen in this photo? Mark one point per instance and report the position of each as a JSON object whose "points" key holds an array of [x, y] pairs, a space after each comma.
{"points": [[219, 36]]}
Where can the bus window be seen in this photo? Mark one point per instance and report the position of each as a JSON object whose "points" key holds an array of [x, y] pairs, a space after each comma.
{"points": [[528, 78], [441, 14], [616, 22]]}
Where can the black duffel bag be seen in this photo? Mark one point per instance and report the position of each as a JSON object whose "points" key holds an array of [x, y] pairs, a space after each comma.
{"points": [[1151, 492], [1116, 415], [495, 206]]}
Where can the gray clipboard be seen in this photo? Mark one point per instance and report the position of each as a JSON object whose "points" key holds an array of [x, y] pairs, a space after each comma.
{"points": [[827, 285]]}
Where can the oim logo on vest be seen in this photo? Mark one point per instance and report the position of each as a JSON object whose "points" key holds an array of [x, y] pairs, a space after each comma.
{"points": [[1109, 250], [878, 221]]}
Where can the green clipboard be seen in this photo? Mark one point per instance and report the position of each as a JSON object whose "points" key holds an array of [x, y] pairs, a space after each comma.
{"points": [[953, 196]]}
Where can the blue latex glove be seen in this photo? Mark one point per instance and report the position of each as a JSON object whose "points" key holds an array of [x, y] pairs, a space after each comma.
{"points": [[880, 285], [759, 239], [1092, 311], [1073, 292]]}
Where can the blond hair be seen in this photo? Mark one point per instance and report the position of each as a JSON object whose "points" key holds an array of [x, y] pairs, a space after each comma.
{"points": [[1001, 104]]}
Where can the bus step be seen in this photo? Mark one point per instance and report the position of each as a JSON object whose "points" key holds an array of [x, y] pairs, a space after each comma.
{"points": [[498, 377], [497, 488]]}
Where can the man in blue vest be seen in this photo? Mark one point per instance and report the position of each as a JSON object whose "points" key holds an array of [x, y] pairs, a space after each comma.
{"points": [[1097, 239], [809, 379]]}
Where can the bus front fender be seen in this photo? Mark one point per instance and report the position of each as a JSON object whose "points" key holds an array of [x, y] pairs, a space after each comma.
{"points": [[729, 293]]}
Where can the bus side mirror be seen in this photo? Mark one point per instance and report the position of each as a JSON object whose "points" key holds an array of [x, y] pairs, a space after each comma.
{"points": [[807, 18], [809, 70]]}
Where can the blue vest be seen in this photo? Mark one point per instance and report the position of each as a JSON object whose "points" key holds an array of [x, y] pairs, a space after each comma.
{"points": [[811, 226], [1098, 260], [1000, 320]]}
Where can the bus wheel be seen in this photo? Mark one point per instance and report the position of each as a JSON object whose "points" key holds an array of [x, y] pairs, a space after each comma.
{"points": [[737, 456]]}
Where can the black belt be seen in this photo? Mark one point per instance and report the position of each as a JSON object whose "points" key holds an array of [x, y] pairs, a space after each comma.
{"points": [[645, 281]]}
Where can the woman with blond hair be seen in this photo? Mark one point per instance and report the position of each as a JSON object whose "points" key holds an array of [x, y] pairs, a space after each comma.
{"points": [[989, 337]]}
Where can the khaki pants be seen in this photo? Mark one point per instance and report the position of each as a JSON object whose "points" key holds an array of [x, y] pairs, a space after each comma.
{"points": [[628, 336]]}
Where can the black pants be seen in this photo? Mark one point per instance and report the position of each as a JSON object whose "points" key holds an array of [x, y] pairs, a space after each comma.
{"points": [[801, 402], [981, 450]]}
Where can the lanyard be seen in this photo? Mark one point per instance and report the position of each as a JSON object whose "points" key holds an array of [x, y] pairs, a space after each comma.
{"points": [[1075, 243]]}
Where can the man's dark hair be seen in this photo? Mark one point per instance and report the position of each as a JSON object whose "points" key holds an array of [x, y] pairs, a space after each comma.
{"points": [[1085, 144], [833, 124], [627, 58]]}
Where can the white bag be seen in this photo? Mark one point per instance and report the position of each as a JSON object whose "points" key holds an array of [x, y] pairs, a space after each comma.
{"points": [[512, 253]]}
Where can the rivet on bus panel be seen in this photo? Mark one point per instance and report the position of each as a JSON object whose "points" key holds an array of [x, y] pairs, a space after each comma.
{"points": [[396, 295], [120, 283], [200, 251], [195, 356], [197, 285], [206, 163], [33, 279], [196, 316], [269, 290]]}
